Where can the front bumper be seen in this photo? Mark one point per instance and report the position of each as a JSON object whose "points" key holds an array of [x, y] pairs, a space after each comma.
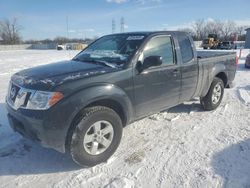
{"points": [[48, 127]]}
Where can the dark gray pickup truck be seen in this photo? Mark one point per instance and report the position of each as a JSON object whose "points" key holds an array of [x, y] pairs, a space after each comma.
{"points": [[82, 105]]}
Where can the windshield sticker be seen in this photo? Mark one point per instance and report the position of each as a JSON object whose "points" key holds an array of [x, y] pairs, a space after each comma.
{"points": [[135, 37]]}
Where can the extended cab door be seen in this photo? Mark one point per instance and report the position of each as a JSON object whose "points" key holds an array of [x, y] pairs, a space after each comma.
{"points": [[189, 68], [158, 87]]}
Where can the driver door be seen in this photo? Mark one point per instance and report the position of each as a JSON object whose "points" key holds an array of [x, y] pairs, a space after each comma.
{"points": [[158, 87]]}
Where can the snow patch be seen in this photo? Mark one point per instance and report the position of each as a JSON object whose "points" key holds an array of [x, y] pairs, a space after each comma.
{"points": [[164, 116], [5, 73], [175, 118], [244, 95], [71, 77], [48, 81], [121, 182], [193, 110]]}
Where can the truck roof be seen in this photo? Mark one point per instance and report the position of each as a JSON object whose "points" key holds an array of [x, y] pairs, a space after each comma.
{"points": [[153, 33]]}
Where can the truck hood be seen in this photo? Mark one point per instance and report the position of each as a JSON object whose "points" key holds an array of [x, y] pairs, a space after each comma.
{"points": [[50, 75]]}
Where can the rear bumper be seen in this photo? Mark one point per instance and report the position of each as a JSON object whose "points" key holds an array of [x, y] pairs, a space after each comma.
{"points": [[45, 127]]}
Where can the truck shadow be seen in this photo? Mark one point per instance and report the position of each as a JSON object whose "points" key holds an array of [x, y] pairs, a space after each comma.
{"points": [[233, 165], [186, 108], [20, 156], [247, 87]]}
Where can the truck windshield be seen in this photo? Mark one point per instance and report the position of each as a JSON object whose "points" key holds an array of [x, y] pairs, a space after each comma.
{"points": [[116, 49]]}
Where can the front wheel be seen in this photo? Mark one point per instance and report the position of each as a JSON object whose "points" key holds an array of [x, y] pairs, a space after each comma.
{"points": [[214, 96], [96, 136]]}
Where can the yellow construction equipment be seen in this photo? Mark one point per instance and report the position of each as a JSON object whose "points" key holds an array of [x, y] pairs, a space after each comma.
{"points": [[210, 42]]}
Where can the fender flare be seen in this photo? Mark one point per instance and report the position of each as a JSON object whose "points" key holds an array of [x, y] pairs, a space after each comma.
{"points": [[217, 69]]}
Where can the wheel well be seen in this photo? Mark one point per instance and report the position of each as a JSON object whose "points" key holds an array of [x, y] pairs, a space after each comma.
{"points": [[105, 102], [117, 107], [223, 77]]}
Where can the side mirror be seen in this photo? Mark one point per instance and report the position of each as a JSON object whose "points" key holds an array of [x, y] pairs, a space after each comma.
{"points": [[152, 61]]}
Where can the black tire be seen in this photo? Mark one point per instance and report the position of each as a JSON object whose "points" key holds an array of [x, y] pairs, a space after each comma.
{"points": [[206, 101], [90, 116]]}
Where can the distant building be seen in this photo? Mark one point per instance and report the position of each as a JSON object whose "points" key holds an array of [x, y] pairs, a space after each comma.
{"points": [[247, 43]]}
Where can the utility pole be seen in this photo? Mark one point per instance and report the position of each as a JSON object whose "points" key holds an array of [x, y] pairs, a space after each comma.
{"points": [[67, 23], [122, 24], [113, 26]]}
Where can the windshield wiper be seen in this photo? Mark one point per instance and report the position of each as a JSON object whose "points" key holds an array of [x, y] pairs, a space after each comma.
{"points": [[105, 63], [77, 59]]}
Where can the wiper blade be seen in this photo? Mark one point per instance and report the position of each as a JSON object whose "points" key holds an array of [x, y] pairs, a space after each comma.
{"points": [[77, 59], [105, 63]]}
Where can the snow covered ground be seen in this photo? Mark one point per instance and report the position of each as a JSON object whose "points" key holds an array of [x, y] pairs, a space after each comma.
{"points": [[181, 147]]}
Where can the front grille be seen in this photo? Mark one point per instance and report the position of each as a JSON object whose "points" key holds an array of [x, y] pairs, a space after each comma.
{"points": [[17, 96]]}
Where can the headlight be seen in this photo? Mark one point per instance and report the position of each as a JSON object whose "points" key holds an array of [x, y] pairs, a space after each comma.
{"points": [[42, 100]]}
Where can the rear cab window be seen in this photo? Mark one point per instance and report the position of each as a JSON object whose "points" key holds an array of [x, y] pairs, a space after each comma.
{"points": [[186, 49]]}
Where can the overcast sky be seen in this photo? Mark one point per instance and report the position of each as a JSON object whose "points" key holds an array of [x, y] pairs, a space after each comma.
{"points": [[42, 19]]}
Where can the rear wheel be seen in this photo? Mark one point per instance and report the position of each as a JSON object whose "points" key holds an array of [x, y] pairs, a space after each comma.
{"points": [[96, 136], [214, 96]]}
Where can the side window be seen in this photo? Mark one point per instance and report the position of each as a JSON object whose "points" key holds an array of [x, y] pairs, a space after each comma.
{"points": [[160, 46], [186, 49]]}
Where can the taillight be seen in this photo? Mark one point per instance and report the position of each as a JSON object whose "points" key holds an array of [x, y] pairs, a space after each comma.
{"points": [[237, 60]]}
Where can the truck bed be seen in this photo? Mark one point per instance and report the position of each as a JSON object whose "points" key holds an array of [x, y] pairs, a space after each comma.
{"points": [[201, 54], [214, 56], [212, 61]]}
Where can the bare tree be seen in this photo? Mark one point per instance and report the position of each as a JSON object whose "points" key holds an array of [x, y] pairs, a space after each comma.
{"points": [[10, 31], [198, 29], [213, 27], [228, 28], [224, 30], [240, 30], [61, 40]]}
